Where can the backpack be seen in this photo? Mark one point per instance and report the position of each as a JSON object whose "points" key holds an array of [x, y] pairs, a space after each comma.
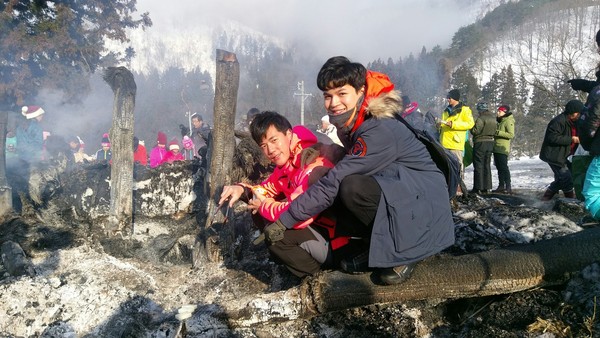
{"points": [[444, 159]]}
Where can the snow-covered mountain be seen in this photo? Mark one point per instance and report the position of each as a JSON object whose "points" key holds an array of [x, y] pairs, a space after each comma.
{"points": [[194, 47]]}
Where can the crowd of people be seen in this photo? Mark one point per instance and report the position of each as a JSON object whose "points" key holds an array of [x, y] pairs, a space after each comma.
{"points": [[371, 198], [27, 143]]}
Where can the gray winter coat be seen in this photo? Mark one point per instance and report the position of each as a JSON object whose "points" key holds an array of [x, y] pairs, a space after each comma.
{"points": [[414, 219]]}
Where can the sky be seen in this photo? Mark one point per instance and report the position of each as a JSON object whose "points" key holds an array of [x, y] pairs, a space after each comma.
{"points": [[361, 30]]}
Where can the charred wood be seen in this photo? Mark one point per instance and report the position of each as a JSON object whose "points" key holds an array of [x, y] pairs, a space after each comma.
{"points": [[5, 189], [123, 85], [220, 154], [501, 271]]}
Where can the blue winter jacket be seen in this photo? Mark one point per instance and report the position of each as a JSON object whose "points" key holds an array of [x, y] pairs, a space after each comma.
{"points": [[414, 219]]}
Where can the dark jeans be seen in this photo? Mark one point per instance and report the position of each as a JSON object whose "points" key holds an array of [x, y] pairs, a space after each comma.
{"points": [[482, 158], [294, 250], [563, 180], [501, 163], [356, 206]]}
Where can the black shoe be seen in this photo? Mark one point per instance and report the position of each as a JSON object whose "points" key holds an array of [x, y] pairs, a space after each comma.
{"points": [[475, 191], [356, 264], [396, 275]]}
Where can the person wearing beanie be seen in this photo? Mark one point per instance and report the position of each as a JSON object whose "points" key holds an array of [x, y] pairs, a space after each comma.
{"points": [[104, 154], [139, 152], [188, 146], [159, 152], [483, 146], [505, 132], [379, 183], [200, 134], [560, 141], [174, 153], [329, 130], [412, 114], [30, 135], [457, 120]]}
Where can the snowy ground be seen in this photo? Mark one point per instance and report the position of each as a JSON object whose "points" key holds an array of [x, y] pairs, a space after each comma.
{"points": [[526, 173], [84, 290]]}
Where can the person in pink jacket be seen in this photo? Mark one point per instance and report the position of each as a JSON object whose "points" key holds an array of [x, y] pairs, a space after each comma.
{"points": [[173, 154], [159, 152], [307, 247]]}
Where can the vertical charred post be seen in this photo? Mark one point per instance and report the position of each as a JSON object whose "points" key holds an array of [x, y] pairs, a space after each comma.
{"points": [[220, 154], [5, 190], [123, 86]]}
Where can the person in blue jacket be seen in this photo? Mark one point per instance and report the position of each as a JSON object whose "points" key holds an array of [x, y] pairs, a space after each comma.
{"points": [[386, 189]]}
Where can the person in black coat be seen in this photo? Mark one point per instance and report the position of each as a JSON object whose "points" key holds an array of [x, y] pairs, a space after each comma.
{"points": [[483, 147], [560, 141]]}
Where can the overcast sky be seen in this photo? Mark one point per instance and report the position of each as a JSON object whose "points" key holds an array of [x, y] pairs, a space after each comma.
{"points": [[361, 29]]}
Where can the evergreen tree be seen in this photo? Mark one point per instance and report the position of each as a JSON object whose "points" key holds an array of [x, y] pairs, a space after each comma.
{"points": [[491, 91], [464, 80], [509, 90], [522, 94], [58, 45]]}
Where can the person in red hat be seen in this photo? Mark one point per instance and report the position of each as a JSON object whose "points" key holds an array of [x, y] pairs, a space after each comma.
{"points": [[174, 153], [159, 152], [30, 135]]}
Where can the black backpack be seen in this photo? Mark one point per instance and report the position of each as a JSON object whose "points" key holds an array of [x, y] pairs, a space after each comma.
{"points": [[444, 159]]}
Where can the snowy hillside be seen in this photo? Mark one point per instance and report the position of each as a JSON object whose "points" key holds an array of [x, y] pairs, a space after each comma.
{"points": [[556, 46]]}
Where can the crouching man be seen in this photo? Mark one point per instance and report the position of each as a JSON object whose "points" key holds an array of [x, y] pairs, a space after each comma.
{"points": [[307, 246], [387, 187]]}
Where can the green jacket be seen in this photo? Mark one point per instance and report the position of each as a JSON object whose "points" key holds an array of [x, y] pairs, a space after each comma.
{"points": [[504, 133], [485, 127]]}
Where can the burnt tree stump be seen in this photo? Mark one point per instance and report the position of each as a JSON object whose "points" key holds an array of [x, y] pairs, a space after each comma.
{"points": [[123, 86], [220, 157], [5, 189]]}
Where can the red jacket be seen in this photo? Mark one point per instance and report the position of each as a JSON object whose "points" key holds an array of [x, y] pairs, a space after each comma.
{"points": [[140, 155], [292, 179]]}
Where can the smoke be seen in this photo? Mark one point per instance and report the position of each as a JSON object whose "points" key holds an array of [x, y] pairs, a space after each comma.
{"points": [[361, 30]]}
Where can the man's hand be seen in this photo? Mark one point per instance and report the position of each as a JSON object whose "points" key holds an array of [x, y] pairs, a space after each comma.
{"points": [[231, 192]]}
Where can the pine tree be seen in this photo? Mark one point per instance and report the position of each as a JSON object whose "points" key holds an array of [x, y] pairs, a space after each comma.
{"points": [[464, 80], [58, 45], [509, 90]]}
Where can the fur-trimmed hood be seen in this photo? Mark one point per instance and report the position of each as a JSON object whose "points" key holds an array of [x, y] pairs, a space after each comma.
{"points": [[385, 105]]}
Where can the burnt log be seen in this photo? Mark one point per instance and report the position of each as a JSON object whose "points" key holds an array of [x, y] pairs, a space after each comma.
{"points": [[5, 189], [220, 154], [123, 85], [501, 271]]}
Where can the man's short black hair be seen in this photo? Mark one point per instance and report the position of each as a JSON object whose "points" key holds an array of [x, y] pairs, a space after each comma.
{"points": [[266, 119], [197, 116], [339, 71]]}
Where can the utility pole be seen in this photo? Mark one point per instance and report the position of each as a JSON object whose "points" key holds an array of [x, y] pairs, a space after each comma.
{"points": [[303, 97]]}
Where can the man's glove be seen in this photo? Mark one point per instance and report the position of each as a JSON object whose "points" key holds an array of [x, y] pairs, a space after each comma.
{"points": [[272, 233], [583, 85]]}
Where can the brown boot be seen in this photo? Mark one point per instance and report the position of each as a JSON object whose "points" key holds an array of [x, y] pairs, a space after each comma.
{"points": [[508, 189], [548, 195], [569, 194]]}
